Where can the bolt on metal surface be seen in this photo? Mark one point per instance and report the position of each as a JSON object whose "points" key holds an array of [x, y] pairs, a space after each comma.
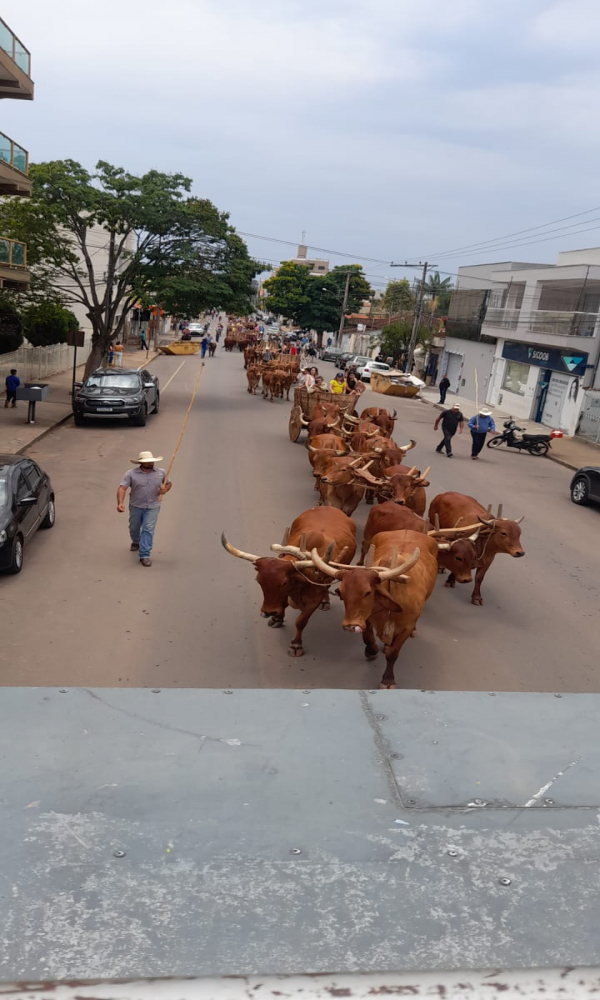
{"points": [[452, 853], [504, 881], [295, 850], [119, 854]]}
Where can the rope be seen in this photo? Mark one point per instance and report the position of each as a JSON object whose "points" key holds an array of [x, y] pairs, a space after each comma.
{"points": [[183, 426]]}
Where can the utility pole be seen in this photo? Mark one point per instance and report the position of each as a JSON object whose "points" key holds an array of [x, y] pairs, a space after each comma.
{"points": [[418, 310], [338, 339]]}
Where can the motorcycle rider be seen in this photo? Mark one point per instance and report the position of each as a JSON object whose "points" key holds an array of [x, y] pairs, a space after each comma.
{"points": [[480, 425]]}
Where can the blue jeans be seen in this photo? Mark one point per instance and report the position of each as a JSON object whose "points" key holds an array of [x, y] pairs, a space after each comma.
{"points": [[142, 522]]}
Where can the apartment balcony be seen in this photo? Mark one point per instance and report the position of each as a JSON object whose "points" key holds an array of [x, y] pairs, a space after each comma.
{"points": [[13, 264], [504, 319], [14, 168], [15, 66], [560, 324]]}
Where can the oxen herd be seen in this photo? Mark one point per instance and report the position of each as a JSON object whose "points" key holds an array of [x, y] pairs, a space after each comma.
{"points": [[402, 550]]}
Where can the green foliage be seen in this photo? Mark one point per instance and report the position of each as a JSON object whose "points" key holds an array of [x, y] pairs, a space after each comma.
{"points": [[314, 302], [48, 323], [398, 297], [11, 336], [108, 238], [394, 339], [435, 285]]}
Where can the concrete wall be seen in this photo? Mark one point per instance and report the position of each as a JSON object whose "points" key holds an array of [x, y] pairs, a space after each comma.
{"points": [[475, 356]]}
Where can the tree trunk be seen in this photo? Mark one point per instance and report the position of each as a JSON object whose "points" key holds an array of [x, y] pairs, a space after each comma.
{"points": [[100, 341]]}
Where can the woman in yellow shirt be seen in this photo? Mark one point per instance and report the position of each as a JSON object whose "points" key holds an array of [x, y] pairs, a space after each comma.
{"points": [[337, 384]]}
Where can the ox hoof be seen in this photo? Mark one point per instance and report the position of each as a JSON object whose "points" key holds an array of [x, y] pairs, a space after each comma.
{"points": [[371, 656], [387, 687], [325, 606], [477, 601], [449, 583], [275, 623], [295, 651]]}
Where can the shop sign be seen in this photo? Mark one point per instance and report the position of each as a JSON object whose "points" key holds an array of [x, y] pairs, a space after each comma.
{"points": [[572, 362]]}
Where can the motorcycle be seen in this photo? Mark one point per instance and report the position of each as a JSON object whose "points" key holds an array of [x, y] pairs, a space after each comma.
{"points": [[535, 444]]}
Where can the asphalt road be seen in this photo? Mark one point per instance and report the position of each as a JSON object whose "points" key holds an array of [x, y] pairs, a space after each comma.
{"points": [[84, 612]]}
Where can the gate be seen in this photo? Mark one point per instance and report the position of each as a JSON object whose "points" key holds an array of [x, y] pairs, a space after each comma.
{"points": [[589, 421]]}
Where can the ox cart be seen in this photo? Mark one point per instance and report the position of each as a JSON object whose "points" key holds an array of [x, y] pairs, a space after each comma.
{"points": [[305, 404]]}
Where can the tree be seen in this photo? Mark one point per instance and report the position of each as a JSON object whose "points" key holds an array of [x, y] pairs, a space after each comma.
{"points": [[287, 291], [314, 302], [398, 297], [439, 291], [11, 336], [47, 323], [394, 339], [152, 233], [359, 289]]}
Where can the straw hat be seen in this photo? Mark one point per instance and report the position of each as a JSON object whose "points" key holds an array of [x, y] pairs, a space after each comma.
{"points": [[145, 458], [485, 413]]}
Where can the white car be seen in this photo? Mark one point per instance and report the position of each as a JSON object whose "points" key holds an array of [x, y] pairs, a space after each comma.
{"points": [[372, 366], [196, 329]]}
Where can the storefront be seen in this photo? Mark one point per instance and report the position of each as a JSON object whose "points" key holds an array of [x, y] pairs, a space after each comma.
{"points": [[539, 383]]}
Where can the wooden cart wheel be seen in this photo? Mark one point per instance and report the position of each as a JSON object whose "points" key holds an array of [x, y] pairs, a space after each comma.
{"points": [[295, 425]]}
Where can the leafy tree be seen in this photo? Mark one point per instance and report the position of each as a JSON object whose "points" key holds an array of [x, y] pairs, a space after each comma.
{"points": [[398, 297], [287, 291], [11, 336], [153, 232], [48, 323], [436, 284], [314, 302], [359, 288], [394, 339]]}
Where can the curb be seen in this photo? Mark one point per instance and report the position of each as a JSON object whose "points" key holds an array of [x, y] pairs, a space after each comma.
{"points": [[42, 434]]}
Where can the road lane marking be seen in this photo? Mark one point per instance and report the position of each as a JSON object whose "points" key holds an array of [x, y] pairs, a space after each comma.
{"points": [[167, 384]]}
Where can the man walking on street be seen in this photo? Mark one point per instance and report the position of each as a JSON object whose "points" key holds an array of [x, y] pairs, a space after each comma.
{"points": [[147, 485], [443, 387], [204, 345], [12, 383], [451, 420], [480, 425]]}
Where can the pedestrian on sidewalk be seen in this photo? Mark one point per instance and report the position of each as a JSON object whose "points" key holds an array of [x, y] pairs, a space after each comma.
{"points": [[118, 349], [147, 485], [143, 344], [480, 425], [111, 355], [452, 420], [12, 383], [443, 387]]}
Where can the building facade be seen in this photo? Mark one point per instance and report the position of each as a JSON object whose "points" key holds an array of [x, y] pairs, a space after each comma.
{"points": [[538, 329], [317, 267], [15, 84]]}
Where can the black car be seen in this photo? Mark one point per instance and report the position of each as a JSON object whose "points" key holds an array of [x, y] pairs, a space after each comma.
{"points": [[116, 392], [330, 353], [26, 503], [585, 485]]}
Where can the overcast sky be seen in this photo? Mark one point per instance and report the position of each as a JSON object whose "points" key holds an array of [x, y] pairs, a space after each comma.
{"points": [[388, 129]]}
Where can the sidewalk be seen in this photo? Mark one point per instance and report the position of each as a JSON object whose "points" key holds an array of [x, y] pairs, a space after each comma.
{"points": [[572, 452], [16, 435]]}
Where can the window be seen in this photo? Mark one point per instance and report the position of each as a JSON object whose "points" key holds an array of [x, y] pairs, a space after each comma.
{"points": [[33, 475], [515, 377], [106, 381], [23, 488]]}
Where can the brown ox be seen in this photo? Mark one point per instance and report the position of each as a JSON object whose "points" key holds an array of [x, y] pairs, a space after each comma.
{"points": [[389, 516], [212, 348], [392, 453], [253, 376], [319, 426], [290, 580], [382, 417], [326, 411], [402, 485], [229, 343], [320, 449], [498, 535], [387, 597], [338, 485]]}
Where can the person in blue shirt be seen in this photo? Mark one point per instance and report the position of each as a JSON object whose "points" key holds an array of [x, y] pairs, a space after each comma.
{"points": [[12, 384], [480, 425]]}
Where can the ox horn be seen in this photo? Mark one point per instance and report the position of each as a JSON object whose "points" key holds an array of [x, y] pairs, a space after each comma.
{"points": [[340, 454], [348, 416], [286, 536], [289, 550], [322, 565], [436, 521], [423, 475], [413, 472], [407, 447], [475, 535], [369, 477], [399, 571], [488, 523], [310, 448], [370, 556], [519, 519], [394, 415], [304, 422], [335, 422], [236, 552], [444, 546]]}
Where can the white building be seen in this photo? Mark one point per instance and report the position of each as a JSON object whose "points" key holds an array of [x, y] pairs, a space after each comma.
{"points": [[318, 267], [532, 332]]}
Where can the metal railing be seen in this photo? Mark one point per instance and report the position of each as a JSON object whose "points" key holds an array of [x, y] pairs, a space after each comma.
{"points": [[15, 48], [560, 323], [39, 362], [505, 319], [13, 154], [13, 253], [568, 983]]}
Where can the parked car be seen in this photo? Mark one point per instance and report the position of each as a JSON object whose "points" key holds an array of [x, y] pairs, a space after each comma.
{"points": [[331, 353], [585, 485], [358, 361], [26, 504], [371, 366], [116, 392], [196, 329]]}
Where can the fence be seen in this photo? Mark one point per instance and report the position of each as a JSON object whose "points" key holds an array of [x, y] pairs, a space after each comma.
{"points": [[589, 421], [39, 362]]}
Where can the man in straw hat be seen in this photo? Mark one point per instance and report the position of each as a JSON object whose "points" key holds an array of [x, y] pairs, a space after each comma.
{"points": [[147, 485], [480, 425]]}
